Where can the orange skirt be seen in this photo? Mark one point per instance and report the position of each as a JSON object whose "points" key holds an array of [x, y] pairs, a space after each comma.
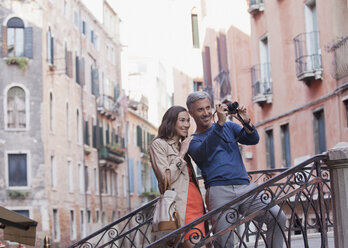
{"points": [[194, 210]]}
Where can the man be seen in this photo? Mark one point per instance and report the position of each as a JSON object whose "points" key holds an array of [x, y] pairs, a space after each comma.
{"points": [[214, 148]]}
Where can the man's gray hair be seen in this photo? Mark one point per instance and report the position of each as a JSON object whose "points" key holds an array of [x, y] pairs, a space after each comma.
{"points": [[194, 96]]}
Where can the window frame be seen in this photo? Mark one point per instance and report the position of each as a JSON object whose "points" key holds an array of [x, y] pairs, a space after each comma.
{"points": [[27, 107], [269, 146], [28, 186]]}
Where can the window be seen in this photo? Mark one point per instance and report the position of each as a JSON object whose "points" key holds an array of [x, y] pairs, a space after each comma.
{"points": [[84, 27], [124, 183], [16, 108], [86, 133], [86, 179], [68, 62], [270, 149], [78, 127], [53, 172], [94, 81], [76, 19], [265, 69], [67, 121], [94, 141], [197, 86], [131, 175], [50, 47], [319, 131], [92, 36], [25, 213], [56, 228], [89, 216], [17, 170], [17, 40], [81, 178], [96, 181], [346, 105], [195, 31], [72, 225], [97, 216], [116, 185], [285, 140], [71, 177], [51, 112], [312, 41], [82, 223]]}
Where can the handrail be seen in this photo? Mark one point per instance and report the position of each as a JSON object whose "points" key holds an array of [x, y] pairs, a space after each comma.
{"points": [[287, 189], [273, 196]]}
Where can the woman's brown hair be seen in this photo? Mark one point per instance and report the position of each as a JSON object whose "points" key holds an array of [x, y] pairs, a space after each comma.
{"points": [[167, 128]]}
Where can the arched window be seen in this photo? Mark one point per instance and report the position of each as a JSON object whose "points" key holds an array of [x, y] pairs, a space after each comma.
{"points": [[15, 37], [16, 108]]}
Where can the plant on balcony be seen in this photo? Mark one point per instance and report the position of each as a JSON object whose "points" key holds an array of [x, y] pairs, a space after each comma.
{"points": [[150, 194], [22, 62], [17, 194], [87, 150], [115, 147]]}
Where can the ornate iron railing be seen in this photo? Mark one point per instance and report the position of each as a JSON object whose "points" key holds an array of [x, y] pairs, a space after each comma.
{"points": [[308, 55], [302, 192]]}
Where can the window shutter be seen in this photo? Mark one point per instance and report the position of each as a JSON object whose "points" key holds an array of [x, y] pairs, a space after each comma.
{"points": [[70, 64], [4, 41], [131, 175], [207, 66], [94, 136], [52, 51], [139, 138], [28, 42], [77, 73], [95, 82], [82, 71], [86, 133], [116, 92]]}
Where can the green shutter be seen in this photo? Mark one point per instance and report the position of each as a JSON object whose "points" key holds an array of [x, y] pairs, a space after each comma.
{"points": [[86, 133], [94, 136]]}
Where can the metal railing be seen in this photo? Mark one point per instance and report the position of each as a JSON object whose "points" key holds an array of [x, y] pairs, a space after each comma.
{"points": [[261, 79], [307, 54], [302, 192]]}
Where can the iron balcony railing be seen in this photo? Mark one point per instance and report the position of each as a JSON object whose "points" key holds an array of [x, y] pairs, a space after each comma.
{"points": [[261, 80], [340, 47], [303, 193], [308, 55], [106, 105], [255, 6]]}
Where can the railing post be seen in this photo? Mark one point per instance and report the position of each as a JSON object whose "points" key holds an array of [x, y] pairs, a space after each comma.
{"points": [[338, 165]]}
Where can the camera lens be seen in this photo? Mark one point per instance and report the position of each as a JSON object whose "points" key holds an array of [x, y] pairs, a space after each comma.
{"points": [[232, 107]]}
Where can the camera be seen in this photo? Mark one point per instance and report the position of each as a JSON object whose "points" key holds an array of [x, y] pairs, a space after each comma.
{"points": [[232, 107]]}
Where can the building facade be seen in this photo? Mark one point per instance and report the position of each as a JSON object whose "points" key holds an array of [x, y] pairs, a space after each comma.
{"points": [[62, 133], [298, 78]]}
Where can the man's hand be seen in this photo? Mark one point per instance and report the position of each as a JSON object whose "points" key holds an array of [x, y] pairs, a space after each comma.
{"points": [[243, 114], [222, 112]]}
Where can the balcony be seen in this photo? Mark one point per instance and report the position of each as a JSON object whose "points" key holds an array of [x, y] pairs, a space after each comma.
{"points": [[255, 6], [112, 154], [340, 47], [106, 106], [308, 56], [261, 83]]}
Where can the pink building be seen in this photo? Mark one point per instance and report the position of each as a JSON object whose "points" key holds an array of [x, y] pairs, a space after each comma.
{"points": [[298, 78]]}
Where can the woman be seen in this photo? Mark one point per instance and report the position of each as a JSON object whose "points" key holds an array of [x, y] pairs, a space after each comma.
{"points": [[168, 151]]}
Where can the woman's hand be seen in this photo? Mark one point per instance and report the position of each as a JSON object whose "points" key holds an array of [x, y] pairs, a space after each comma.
{"points": [[184, 146]]}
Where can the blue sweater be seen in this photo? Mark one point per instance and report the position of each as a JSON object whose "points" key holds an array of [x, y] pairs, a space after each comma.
{"points": [[217, 154]]}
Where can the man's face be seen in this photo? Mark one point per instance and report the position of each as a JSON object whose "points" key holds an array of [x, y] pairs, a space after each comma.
{"points": [[202, 113]]}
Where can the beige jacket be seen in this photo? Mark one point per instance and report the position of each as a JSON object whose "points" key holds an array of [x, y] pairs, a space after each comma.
{"points": [[164, 155]]}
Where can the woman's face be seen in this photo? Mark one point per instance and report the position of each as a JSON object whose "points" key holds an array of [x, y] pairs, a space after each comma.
{"points": [[182, 124]]}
